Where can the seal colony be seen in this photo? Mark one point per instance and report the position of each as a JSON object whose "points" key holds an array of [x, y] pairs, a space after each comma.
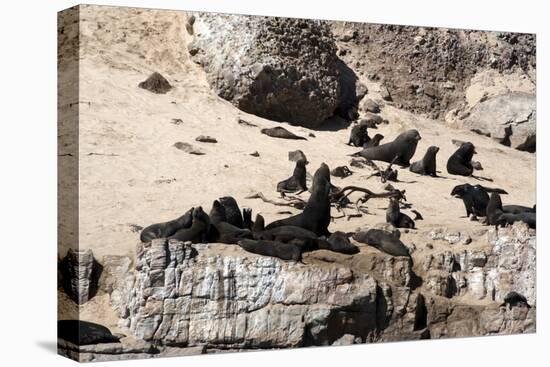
{"points": [[290, 237]]}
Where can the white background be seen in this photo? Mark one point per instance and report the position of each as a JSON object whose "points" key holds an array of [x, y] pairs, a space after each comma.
{"points": [[28, 181]]}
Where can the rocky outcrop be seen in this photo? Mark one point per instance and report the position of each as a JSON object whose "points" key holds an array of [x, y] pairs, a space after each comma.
{"points": [[280, 69], [221, 297], [79, 275], [508, 118], [426, 70]]}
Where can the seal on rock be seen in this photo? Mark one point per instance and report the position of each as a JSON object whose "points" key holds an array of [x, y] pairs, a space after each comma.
{"points": [[427, 166], [296, 182], [494, 209], [396, 218], [281, 133], [232, 211], [514, 299], [399, 151], [460, 162], [316, 214], [508, 218], [475, 198], [283, 251], [247, 218], [222, 230], [384, 241], [199, 230], [339, 242], [166, 229]]}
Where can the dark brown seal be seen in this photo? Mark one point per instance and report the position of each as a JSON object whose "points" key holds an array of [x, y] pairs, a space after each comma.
{"points": [[166, 229], [460, 163], [296, 182], [427, 166], [399, 151], [281, 133]]}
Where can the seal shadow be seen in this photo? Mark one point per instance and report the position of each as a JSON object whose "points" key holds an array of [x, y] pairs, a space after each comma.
{"points": [[47, 345]]}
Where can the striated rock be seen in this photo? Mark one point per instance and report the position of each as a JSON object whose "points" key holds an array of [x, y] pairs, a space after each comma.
{"points": [[80, 273], [280, 69]]}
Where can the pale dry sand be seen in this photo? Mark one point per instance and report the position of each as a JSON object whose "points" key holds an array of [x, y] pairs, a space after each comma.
{"points": [[130, 173]]}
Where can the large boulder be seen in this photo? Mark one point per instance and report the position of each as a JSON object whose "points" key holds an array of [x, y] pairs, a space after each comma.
{"points": [[280, 69], [510, 118]]}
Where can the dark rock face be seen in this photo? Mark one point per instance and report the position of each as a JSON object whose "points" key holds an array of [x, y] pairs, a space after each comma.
{"points": [[280, 69], [80, 273], [156, 83], [426, 69]]}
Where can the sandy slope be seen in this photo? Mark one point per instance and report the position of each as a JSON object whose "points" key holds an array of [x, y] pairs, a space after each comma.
{"points": [[142, 178]]}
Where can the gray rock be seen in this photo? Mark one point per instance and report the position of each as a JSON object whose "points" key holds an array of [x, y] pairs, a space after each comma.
{"points": [[80, 273], [514, 111], [296, 155], [280, 69], [156, 83], [371, 106]]}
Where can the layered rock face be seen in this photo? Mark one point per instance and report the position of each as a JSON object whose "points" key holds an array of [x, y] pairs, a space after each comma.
{"points": [[221, 297], [79, 272], [279, 69]]}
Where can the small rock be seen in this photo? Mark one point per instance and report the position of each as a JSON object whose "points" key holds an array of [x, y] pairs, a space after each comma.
{"points": [[176, 121], [206, 139], [255, 154], [188, 148], [477, 166], [361, 90], [371, 106], [311, 135], [245, 123], [156, 83], [189, 24]]}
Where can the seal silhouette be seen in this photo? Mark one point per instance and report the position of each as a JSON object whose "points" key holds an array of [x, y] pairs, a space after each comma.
{"points": [[316, 214], [281, 133], [283, 251], [199, 230], [396, 218], [232, 211], [374, 142], [494, 209], [427, 166], [399, 151], [475, 198], [383, 241], [359, 135], [222, 230], [296, 182], [460, 162], [166, 229], [529, 218]]}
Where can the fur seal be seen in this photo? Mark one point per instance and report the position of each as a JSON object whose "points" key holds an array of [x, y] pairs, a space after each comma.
{"points": [[166, 229], [475, 198], [384, 241], [339, 242], [517, 209], [225, 232], [81, 332], [232, 211], [427, 166], [296, 182], [494, 209], [399, 151], [374, 142], [259, 224], [396, 218], [198, 232], [316, 214], [303, 238], [247, 218], [281, 133], [359, 135], [514, 299], [460, 162], [341, 171], [284, 251], [508, 218]]}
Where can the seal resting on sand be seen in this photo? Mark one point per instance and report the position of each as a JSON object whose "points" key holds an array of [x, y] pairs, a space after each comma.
{"points": [[399, 151]]}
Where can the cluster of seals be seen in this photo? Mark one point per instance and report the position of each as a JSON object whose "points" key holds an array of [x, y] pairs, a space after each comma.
{"points": [[427, 166], [296, 182], [475, 198], [399, 151], [198, 231], [396, 218], [166, 229], [281, 133], [224, 231], [498, 216], [460, 163], [384, 241], [316, 214]]}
